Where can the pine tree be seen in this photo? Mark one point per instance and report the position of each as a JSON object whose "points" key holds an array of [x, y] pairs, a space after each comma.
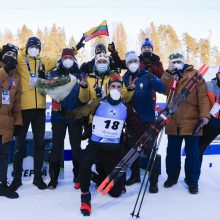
{"points": [[204, 50], [72, 42], [191, 47], [120, 39], [141, 39], [173, 39], [164, 47], [55, 42], [7, 37], [154, 37], [23, 34]]}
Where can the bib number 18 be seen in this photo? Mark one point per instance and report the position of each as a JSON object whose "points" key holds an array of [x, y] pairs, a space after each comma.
{"points": [[114, 125]]}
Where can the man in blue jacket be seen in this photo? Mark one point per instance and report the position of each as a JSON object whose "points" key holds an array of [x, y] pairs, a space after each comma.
{"points": [[67, 66], [144, 83]]}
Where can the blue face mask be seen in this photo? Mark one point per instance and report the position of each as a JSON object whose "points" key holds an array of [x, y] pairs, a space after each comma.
{"points": [[102, 67]]}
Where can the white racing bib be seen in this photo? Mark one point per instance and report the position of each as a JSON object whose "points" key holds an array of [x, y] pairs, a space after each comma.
{"points": [[215, 109], [107, 127]]}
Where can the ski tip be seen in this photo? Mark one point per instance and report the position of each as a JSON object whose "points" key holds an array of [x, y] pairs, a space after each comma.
{"points": [[108, 188], [203, 69], [103, 184]]}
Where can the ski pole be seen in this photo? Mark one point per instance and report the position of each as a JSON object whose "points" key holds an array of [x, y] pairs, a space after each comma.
{"points": [[142, 184], [155, 149]]}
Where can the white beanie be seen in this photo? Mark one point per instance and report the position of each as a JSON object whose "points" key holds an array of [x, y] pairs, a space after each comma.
{"points": [[176, 55], [101, 56], [131, 55]]}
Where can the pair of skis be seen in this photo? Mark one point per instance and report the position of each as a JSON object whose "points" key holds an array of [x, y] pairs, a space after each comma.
{"points": [[150, 135]]}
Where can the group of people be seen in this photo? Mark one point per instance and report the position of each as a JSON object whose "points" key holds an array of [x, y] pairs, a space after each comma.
{"points": [[111, 110]]}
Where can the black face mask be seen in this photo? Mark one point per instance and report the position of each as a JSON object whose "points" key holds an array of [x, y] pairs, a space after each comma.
{"points": [[7, 59], [177, 72], [147, 55]]}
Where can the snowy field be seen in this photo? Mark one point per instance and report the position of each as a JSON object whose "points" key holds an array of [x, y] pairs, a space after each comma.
{"points": [[169, 204]]}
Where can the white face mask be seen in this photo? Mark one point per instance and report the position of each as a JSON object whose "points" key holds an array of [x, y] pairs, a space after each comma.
{"points": [[68, 63], [133, 67], [115, 94], [102, 67], [179, 66], [33, 52]]}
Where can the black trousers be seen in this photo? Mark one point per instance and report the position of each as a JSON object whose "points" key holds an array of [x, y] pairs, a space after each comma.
{"points": [[209, 134], [35, 117], [58, 136], [131, 139], [108, 160], [4, 153]]}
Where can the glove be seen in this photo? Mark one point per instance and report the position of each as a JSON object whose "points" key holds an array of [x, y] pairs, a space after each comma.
{"points": [[111, 47], [87, 132], [17, 130], [201, 123], [66, 114], [41, 72], [80, 44], [10, 63]]}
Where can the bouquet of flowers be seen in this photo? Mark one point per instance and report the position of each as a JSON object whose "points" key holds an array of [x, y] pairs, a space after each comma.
{"points": [[58, 88]]}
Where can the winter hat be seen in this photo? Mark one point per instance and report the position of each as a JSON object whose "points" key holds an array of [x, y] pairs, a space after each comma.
{"points": [[67, 52], [148, 43], [101, 47], [131, 55], [116, 78], [33, 41], [9, 47], [101, 56], [176, 55]]}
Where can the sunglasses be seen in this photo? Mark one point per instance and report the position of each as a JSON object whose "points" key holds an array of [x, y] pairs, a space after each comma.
{"points": [[116, 78]]}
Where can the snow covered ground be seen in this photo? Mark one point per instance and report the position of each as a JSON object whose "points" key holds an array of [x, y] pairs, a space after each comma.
{"points": [[169, 204]]}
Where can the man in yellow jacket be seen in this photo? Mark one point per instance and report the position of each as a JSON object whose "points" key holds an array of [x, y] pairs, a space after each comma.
{"points": [[33, 105]]}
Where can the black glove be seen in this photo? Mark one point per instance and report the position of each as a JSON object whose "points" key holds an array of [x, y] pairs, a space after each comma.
{"points": [[10, 63], [63, 112], [41, 72], [147, 58], [80, 44], [176, 72], [87, 131], [17, 130], [98, 91], [111, 47]]}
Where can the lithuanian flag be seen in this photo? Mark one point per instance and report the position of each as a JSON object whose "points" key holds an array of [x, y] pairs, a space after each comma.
{"points": [[101, 29]]}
